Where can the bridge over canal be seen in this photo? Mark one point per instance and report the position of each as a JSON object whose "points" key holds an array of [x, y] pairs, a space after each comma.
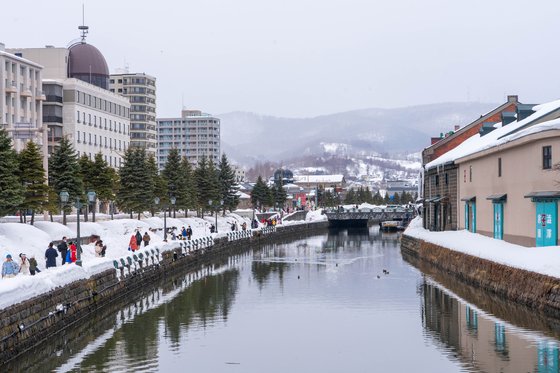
{"points": [[356, 217]]}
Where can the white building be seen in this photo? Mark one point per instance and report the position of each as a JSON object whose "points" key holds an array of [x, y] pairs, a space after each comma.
{"points": [[195, 134], [21, 109], [140, 89], [78, 102]]}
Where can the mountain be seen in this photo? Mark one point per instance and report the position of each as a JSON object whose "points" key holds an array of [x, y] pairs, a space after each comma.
{"points": [[248, 137]]}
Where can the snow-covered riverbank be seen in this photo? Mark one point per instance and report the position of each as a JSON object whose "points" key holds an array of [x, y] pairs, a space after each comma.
{"points": [[543, 260]]}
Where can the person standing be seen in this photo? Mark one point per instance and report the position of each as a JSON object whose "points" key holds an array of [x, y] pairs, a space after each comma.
{"points": [[50, 256], [138, 239], [146, 239], [23, 264], [63, 249], [184, 233], [33, 268], [9, 267], [132, 245], [189, 232], [72, 253]]}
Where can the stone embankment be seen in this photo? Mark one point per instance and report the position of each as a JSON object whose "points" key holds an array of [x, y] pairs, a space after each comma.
{"points": [[27, 324], [531, 289]]}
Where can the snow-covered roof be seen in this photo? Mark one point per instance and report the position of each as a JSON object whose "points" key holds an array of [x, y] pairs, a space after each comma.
{"points": [[319, 178], [242, 195], [477, 143]]}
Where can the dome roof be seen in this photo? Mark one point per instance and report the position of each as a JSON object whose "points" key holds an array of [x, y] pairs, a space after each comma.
{"points": [[88, 64]]}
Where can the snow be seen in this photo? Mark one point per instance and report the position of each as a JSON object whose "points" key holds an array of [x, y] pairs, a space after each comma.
{"points": [[318, 178], [18, 238], [498, 136], [543, 260], [316, 215]]}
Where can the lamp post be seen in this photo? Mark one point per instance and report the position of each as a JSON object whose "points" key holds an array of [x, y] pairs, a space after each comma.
{"points": [[91, 196], [221, 204], [156, 202], [64, 197], [173, 200]]}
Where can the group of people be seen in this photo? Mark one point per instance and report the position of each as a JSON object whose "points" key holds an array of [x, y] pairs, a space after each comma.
{"points": [[136, 240], [25, 266], [186, 233]]}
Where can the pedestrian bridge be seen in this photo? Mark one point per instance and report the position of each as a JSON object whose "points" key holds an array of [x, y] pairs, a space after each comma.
{"points": [[361, 216]]}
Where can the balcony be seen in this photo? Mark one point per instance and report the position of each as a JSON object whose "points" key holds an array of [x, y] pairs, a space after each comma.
{"points": [[11, 87], [40, 95], [26, 93]]}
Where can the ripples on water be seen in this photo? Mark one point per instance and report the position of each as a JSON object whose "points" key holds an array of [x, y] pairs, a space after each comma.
{"points": [[321, 304]]}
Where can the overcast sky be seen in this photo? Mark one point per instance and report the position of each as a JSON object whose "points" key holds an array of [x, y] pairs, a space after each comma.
{"points": [[311, 57]]}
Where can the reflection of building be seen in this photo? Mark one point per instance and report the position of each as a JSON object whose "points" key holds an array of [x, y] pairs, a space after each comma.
{"points": [[480, 341], [21, 104], [78, 103], [141, 91], [195, 135]]}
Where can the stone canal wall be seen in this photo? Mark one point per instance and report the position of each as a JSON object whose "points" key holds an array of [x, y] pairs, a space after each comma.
{"points": [[27, 324], [532, 289]]}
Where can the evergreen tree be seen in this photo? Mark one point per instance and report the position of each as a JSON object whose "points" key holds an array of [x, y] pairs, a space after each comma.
{"points": [[279, 194], [213, 186], [396, 199], [103, 180], [350, 198], [260, 195], [86, 173], [377, 199], [64, 174], [137, 189], [206, 177], [32, 177], [187, 187], [11, 191], [171, 175], [227, 185], [159, 185]]}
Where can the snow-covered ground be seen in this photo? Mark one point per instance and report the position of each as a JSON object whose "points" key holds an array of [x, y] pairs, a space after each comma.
{"points": [[16, 238], [544, 260]]}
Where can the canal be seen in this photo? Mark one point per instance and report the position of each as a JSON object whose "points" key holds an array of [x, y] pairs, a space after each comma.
{"points": [[321, 304]]}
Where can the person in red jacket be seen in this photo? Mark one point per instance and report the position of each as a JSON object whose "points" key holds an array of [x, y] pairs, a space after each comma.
{"points": [[72, 252], [133, 244]]}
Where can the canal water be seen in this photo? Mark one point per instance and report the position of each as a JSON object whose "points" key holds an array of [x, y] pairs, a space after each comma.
{"points": [[320, 304]]}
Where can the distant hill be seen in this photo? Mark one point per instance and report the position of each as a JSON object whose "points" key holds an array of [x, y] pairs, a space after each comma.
{"points": [[248, 137]]}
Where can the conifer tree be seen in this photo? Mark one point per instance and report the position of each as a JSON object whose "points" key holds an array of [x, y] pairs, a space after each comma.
{"points": [[160, 187], [227, 185], [377, 199], [187, 188], [64, 174], [279, 195], [32, 178], [350, 198], [260, 195], [11, 191], [206, 177], [136, 190], [103, 180], [171, 175], [86, 173]]}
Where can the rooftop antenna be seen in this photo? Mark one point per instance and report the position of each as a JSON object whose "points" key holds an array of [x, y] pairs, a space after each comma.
{"points": [[83, 28]]}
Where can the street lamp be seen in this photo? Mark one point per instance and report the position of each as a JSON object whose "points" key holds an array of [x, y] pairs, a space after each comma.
{"points": [[91, 196], [64, 198], [156, 202], [221, 204], [173, 200]]}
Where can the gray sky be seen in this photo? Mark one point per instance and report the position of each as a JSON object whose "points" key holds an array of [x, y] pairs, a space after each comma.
{"points": [[311, 57]]}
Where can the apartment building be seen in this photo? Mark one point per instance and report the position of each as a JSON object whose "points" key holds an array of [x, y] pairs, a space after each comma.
{"points": [[140, 89], [21, 107], [195, 134]]}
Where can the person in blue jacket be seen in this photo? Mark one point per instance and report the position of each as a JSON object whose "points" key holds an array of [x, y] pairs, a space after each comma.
{"points": [[50, 256], [9, 267]]}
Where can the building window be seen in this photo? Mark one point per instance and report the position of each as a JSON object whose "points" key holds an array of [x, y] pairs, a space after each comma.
{"points": [[436, 180], [547, 157], [499, 167], [78, 116], [470, 174], [446, 178]]}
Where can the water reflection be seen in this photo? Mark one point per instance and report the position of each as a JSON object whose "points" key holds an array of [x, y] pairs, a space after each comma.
{"points": [[319, 304], [481, 341]]}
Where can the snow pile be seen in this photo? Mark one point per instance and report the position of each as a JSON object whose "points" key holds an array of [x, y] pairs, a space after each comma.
{"points": [[544, 260], [316, 215], [18, 238]]}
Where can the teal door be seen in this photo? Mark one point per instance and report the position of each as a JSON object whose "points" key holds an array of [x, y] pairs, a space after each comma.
{"points": [[499, 221], [467, 224], [473, 217], [547, 223]]}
